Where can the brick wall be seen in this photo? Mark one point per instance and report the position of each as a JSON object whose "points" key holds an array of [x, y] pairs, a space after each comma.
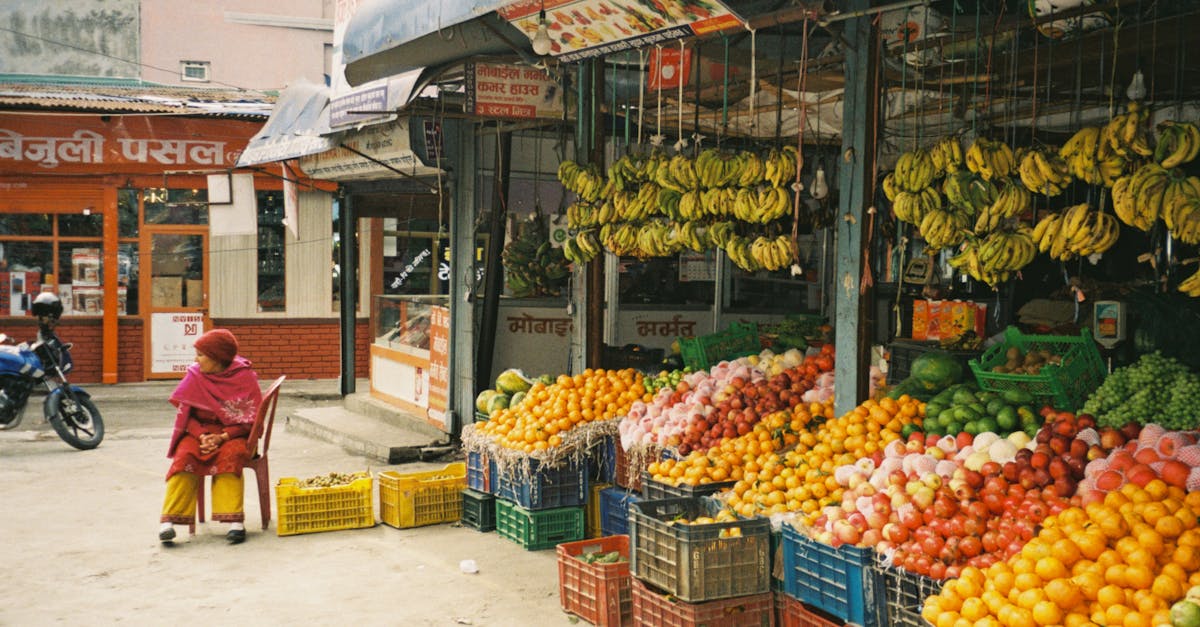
{"points": [[301, 349]]}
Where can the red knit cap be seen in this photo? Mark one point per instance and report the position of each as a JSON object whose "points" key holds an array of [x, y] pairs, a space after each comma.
{"points": [[218, 344]]}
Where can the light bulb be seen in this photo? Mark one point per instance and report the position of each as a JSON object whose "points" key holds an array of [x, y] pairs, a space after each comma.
{"points": [[819, 189], [1137, 87], [541, 39]]}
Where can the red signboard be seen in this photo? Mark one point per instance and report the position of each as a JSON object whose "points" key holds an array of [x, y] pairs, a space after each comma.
{"points": [[124, 143]]}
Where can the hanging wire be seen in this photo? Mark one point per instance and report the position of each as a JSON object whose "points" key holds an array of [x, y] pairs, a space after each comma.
{"points": [[724, 96], [658, 73], [641, 93], [779, 84], [679, 105], [754, 77], [802, 80], [975, 83]]}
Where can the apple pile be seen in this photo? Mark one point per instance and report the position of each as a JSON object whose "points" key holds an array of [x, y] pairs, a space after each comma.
{"points": [[725, 402], [1140, 457], [936, 504]]}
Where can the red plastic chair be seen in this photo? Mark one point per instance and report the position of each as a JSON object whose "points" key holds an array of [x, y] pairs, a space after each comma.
{"points": [[264, 421]]}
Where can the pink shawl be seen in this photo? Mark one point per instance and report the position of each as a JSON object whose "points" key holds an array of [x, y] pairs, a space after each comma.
{"points": [[232, 395]]}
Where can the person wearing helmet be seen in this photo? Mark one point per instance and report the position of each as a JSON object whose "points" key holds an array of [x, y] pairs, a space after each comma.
{"points": [[217, 401]]}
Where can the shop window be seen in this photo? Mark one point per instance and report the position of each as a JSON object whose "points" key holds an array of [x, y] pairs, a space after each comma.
{"points": [[52, 252], [175, 206], [127, 277], [413, 256], [685, 279], [194, 71], [127, 213], [271, 231]]}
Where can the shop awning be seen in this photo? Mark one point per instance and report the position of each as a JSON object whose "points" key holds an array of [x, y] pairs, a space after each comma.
{"points": [[298, 126], [387, 37]]}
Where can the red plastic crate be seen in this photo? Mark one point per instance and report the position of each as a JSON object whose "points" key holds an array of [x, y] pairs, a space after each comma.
{"points": [[655, 609], [793, 613], [597, 593]]}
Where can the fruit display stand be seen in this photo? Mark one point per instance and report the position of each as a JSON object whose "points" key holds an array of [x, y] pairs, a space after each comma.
{"points": [[1065, 386], [302, 509], [703, 561], [422, 498], [598, 592], [541, 529], [655, 609], [478, 510], [842, 581]]}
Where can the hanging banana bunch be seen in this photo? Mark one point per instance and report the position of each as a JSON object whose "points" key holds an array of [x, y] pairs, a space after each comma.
{"points": [[585, 182], [1181, 208], [1178, 143], [1125, 135], [947, 155], [990, 159], [1043, 171], [968, 192], [1080, 153], [1076, 231], [1138, 197], [1012, 201], [914, 171]]}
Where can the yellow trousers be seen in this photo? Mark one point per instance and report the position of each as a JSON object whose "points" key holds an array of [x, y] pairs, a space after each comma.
{"points": [[179, 506]]}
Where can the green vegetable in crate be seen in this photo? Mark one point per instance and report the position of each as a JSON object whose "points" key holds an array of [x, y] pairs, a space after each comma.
{"points": [[936, 370], [512, 381], [598, 557]]}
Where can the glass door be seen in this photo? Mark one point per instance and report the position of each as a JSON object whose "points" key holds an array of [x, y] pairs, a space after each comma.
{"points": [[176, 302]]}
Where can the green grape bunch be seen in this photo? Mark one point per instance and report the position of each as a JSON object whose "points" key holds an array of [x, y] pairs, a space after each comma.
{"points": [[1155, 389]]}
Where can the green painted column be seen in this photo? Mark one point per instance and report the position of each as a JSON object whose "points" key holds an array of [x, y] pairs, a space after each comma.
{"points": [[855, 194]]}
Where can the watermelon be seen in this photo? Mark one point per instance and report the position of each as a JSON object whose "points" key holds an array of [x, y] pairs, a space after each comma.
{"points": [[485, 397], [516, 399], [498, 402], [936, 370], [512, 381]]}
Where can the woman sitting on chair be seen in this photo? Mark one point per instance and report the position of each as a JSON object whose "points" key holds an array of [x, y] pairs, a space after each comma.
{"points": [[217, 401]]}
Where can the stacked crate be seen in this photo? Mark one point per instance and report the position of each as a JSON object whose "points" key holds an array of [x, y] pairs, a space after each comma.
{"points": [[715, 574], [841, 582]]}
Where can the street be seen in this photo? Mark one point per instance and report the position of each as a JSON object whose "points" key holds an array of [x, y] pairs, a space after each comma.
{"points": [[81, 534]]}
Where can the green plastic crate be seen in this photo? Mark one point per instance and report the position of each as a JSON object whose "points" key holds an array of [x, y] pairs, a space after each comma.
{"points": [[702, 352], [537, 530], [1066, 386]]}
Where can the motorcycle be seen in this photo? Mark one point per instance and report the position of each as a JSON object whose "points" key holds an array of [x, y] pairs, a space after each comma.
{"points": [[68, 408]]}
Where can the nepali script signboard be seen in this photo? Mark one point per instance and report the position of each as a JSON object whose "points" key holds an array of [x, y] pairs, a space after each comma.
{"points": [[580, 29], [77, 145], [498, 90]]}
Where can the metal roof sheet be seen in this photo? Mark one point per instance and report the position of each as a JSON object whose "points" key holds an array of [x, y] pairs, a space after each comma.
{"points": [[123, 95]]}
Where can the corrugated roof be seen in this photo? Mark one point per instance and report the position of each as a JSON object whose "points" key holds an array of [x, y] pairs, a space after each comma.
{"points": [[24, 91]]}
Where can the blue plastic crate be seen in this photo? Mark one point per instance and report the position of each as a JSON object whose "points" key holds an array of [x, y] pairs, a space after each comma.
{"points": [[842, 581], [481, 473], [544, 487], [614, 510], [603, 460]]}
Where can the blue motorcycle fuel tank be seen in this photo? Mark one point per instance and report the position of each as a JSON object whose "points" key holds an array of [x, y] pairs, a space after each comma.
{"points": [[14, 360]]}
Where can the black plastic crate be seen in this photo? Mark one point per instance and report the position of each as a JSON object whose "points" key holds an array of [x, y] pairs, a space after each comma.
{"points": [[699, 562], [632, 356], [478, 510], [905, 352], [656, 490], [614, 510]]}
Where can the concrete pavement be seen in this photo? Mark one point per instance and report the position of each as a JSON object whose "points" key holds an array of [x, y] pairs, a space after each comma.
{"points": [[80, 530]]}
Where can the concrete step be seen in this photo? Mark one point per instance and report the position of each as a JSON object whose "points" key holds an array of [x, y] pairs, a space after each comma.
{"points": [[391, 440]]}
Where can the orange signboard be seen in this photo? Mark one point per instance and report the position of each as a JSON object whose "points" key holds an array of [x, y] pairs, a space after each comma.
{"points": [[120, 144], [439, 360]]}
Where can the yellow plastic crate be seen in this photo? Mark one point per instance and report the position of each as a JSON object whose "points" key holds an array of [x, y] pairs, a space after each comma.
{"points": [[309, 510], [591, 511], [422, 498]]}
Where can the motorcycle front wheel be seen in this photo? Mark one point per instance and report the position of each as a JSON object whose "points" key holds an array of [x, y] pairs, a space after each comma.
{"points": [[77, 421]]}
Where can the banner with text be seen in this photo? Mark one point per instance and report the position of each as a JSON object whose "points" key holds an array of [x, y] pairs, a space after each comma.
{"points": [[580, 29], [511, 91]]}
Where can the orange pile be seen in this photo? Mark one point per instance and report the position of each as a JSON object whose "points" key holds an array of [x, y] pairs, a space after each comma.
{"points": [[1121, 561], [547, 411], [802, 480], [727, 461]]}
